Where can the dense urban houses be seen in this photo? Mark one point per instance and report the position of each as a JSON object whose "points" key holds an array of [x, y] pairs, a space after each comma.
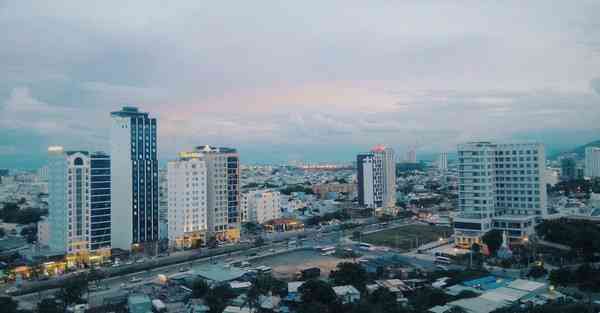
{"points": [[134, 177], [187, 200], [376, 174], [501, 186], [79, 204], [592, 162]]}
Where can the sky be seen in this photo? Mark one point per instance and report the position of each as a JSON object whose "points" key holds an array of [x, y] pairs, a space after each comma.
{"points": [[298, 80]]}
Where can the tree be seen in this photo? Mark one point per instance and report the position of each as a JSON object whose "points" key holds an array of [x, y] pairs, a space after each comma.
{"points": [[2, 232], [347, 273], [317, 291], [493, 240], [200, 288], [49, 306], [259, 241], [72, 290], [252, 228], [218, 297], [456, 309], [560, 277], [537, 271], [212, 242], [8, 305]]}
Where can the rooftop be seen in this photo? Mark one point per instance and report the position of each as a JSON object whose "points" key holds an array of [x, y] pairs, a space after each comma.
{"points": [[217, 272]]}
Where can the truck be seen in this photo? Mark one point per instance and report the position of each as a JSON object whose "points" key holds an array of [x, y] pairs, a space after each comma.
{"points": [[309, 273], [158, 306]]}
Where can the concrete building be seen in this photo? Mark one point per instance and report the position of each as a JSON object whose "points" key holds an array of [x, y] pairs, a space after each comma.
{"points": [[79, 200], [376, 174], [43, 232], [163, 204], [42, 173], [442, 162], [134, 177], [568, 168], [223, 196], [592, 162], [187, 200], [500, 186], [260, 206]]}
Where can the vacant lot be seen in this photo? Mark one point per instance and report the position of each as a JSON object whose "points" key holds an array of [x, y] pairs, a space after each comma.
{"points": [[407, 237]]}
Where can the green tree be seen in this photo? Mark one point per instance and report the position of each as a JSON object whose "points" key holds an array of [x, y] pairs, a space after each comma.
{"points": [[252, 228], [2, 232], [8, 305], [347, 273], [218, 297], [200, 288], [317, 291], [493, 240], [259, 241], [72, 290], [560, 277], [537, 271], [212, 243], [49, 306]]}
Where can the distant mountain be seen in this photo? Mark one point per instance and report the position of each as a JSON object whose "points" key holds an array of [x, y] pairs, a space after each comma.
{"points": [[579, 151]]}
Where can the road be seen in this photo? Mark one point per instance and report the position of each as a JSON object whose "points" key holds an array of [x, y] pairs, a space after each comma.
{"points": [[152, 268]]}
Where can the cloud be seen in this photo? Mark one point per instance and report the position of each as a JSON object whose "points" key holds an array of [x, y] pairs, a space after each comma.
{"points": [[276, 76]]}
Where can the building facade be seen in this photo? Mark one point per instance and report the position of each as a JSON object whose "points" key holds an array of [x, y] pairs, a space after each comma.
{"points": [[187, 201], [376, 175], [223, 195], [260, 206], [442, 162], [568, 168], [500, 186], [79, 201], [592, 162], [134, 177]]}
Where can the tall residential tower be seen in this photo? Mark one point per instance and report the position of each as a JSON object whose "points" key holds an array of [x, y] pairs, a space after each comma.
{"points": [[376, 173], [134, 177]]}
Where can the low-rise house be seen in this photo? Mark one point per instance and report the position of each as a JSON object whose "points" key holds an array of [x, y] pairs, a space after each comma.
{"points": [[347, 293]]}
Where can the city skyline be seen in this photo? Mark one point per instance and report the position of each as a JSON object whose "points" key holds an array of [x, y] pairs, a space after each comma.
{"points": [[319, 78]]}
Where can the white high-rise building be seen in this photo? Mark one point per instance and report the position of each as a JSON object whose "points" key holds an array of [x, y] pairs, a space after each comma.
{"points": [[260, 206], [501, 186], [592, 162], [42, 173], [187, 200], [134, 166], [223, 196], [376, 174], [79, 201], [442, 162]]}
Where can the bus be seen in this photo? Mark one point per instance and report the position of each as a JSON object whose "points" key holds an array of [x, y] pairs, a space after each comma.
{"points": [[327, 249], [263, 269], [442, 260], [364, 246]]}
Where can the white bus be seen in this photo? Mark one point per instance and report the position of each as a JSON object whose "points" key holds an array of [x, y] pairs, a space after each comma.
{"points": [[263, 269], [327, 249], [442, 260]]}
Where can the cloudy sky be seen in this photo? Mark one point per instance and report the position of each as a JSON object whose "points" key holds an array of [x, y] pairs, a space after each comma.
{"points": [[284, 80]]}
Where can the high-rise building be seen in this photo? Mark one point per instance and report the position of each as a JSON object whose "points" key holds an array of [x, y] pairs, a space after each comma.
{"points": [[223, 195], [79, 200], [411, 156], [442, 162], [134, 176], [42, 173], [376, 174], [501, 186], [592, 161], [187, 200], [260, 206], [4, 172], [163, 204], [568, 168]]}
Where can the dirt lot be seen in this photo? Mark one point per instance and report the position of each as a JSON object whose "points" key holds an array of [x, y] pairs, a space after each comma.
{"points": [[286, 265], [406, 237]]}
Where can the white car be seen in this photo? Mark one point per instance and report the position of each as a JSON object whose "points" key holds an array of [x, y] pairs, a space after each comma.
{"points": [[11, 290]]}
